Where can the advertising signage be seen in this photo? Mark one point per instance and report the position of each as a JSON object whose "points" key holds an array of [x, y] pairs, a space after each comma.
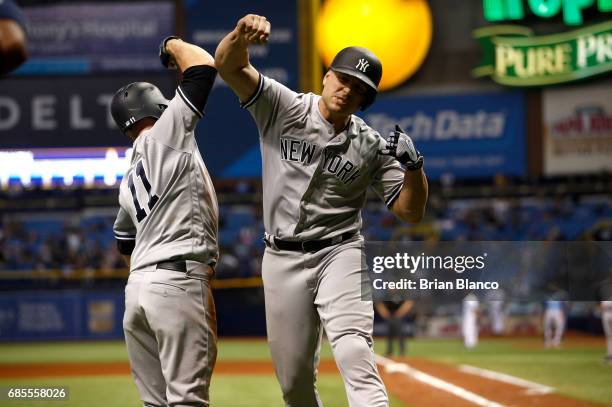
{"points": [[466, 135], [513, 55], [572, 10], [85, 38]]}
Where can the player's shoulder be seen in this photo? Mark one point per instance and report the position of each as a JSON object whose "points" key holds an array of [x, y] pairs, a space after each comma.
{"points": [[181, 104], [366, 134]]}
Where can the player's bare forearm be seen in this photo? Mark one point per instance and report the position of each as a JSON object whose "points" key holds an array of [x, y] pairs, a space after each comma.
{"points": [[404, 309], [382, 310], [410, 205], [232, 55], [185, 55]]}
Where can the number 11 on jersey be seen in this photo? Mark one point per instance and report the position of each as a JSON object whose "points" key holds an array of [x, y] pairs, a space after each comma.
{"points": [[140, 173]]}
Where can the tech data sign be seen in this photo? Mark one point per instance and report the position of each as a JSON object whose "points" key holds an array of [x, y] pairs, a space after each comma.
{"points": [[468, 135], [513, 56]]}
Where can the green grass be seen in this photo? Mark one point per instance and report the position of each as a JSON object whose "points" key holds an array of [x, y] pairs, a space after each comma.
{"points": [[111, 351], [109, 391], [99, 391], [114, 351], [575, 372], [225, 391], [254, 350]]}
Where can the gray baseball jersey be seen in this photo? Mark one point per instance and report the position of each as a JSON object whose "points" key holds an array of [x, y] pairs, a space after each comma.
{"points": [[315, 184], [167, 200]]}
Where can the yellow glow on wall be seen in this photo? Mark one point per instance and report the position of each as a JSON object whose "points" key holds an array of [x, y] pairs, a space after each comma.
{"points": [[397, 31]]}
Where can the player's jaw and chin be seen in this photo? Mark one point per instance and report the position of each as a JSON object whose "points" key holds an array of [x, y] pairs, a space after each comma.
{"points": [[341, 104], [339, 97]]}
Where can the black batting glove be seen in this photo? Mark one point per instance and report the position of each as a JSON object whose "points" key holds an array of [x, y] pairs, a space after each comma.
{"points": [[400, 146], [164, 56]]}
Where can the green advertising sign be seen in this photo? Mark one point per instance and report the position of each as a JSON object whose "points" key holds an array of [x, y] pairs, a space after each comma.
{"points": [[513, 56], [572, 10]]}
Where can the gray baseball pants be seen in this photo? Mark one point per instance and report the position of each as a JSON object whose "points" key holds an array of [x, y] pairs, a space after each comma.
{"points": [[306, 293], [170, 332], [606, 319]]}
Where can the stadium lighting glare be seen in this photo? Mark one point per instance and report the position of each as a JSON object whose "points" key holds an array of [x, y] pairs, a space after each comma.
{"points": [[62, 166]]}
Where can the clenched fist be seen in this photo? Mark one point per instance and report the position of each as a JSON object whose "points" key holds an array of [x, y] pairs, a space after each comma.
{"points": [[254, 29]]}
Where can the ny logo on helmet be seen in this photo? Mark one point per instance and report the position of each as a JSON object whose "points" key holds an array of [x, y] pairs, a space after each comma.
{"points": [[362, 65]]}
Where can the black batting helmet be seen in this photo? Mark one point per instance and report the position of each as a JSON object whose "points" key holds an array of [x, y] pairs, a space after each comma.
{"points": [[136, 101], [363, 65]]}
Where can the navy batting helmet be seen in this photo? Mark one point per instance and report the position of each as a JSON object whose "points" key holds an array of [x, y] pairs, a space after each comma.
{"points": [[363, 65], [136, 101]]}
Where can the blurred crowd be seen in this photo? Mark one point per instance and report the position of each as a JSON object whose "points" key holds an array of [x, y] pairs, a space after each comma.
{"points": [[52, 243], [69, 242]]}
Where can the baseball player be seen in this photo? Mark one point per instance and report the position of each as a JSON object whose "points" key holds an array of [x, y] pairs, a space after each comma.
{"points": [[13, 47], [554, 318], [318, 162], [167, 229], [495, 307], [469, 321], [604, 294]]}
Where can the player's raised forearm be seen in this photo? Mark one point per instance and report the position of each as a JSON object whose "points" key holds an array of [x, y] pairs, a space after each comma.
{"points": [[410, 205], [185, 55], [232, 53]]}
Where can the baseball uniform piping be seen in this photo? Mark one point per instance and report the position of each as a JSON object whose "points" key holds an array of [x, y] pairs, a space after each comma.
{"points": [[188, 102], [253, 98], [124, 236], [394, 195]]}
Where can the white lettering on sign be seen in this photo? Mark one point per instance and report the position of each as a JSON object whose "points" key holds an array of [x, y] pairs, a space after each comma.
{"points": [[445, 125], [9, 113], [43, 112]]}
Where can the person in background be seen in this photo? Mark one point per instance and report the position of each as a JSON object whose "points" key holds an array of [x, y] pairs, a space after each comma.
{"points": [[554, 317], [469, 322], [495, 308], [604, 295], [394, 311]]}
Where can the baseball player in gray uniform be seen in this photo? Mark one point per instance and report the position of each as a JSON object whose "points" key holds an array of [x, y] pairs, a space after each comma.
{"points": [[318, 162], [167, 229], [604, 294]]}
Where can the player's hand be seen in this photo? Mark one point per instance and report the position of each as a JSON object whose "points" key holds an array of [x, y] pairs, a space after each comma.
{"points": [[254, 29], [400, 146], [164, 56]]}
